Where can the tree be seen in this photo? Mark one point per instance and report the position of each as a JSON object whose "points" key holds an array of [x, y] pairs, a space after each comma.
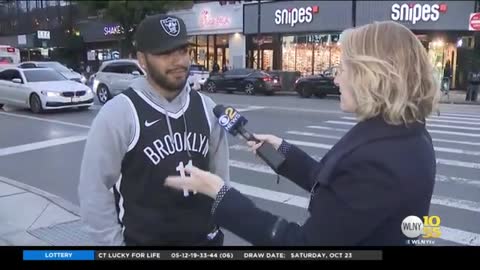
{"points": [[129, 13]]}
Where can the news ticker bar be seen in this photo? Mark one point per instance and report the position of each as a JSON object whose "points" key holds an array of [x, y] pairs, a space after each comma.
{"points": [[164, 255]]}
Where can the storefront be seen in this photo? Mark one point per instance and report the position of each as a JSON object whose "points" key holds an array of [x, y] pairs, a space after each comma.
{"points": [[442, 26], [216, 32], [101, 40], [296, 35]]}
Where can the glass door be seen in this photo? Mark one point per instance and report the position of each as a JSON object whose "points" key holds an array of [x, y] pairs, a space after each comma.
{"points": [[437, 55], [267, 60]]}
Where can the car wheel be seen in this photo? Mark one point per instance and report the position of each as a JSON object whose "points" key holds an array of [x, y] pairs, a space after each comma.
{"points": [[211, 87], [36, 104], [250, 89], [103, 94], [1, 106], [321, 95], [305, 92]]}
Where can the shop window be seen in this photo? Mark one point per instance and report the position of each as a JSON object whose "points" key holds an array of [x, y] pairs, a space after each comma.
{"points": [[304, 58], [211, 52], [267, 59], [310, 54], [222, 53], [289, 51], [438, 54], [202, 50]]}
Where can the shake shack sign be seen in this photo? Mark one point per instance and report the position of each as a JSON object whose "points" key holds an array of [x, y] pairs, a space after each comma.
{"points": [[413, 13]]}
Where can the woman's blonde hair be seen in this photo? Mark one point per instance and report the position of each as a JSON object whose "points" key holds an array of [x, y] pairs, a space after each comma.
{"points": [[389, 72]]}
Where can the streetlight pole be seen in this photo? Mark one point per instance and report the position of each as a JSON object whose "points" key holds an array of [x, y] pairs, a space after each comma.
{"points": [[259, 5]]}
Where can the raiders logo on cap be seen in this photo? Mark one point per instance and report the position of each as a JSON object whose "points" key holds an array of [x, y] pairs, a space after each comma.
{"points": [[171, 26]]}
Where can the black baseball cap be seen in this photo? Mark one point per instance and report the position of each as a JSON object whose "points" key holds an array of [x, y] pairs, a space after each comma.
{"points": [[160, 34]]}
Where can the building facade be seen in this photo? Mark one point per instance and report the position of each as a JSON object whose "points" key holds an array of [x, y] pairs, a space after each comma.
{"points": [[270, 35], [442, 26], [295, 35], [216, 30], [102, 41], [303, 35], [42, 30]]}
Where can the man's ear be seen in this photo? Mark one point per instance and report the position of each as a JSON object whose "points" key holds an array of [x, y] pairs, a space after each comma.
{"points": [[141, 57]]}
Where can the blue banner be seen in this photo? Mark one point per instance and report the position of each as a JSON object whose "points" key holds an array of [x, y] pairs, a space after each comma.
{"points": [[58, 255]]}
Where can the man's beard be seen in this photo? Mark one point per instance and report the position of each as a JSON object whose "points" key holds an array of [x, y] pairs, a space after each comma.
{"points": [[162, 80]]}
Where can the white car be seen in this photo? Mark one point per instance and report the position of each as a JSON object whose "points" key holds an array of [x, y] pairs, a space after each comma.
{"points": [[114, 77], [197, 77], [40, 89], [68, 73]]}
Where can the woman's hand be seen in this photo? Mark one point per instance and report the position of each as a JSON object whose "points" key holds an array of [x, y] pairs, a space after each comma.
{"points": [[271, 139], [199, 181]]}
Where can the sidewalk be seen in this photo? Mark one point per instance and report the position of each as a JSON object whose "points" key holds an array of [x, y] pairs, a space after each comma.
{"points": [[458, 97], [31, 217]]}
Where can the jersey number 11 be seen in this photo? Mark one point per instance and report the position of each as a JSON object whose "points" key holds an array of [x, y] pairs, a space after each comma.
{"points": [[181, 170]]}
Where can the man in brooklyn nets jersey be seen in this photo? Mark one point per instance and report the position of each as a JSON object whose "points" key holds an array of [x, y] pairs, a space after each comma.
{"points": [[155, 128]]}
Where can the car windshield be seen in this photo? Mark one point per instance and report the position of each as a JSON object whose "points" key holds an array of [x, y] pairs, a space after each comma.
{"points": [[55, 65], [6, 60], [43, 75]]}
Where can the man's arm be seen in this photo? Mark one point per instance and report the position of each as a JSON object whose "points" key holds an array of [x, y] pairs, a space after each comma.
{"points": [[218, 148], [107, 143]]}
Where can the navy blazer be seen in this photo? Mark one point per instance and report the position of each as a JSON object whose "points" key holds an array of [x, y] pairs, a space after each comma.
{"points": [[362, 189]]}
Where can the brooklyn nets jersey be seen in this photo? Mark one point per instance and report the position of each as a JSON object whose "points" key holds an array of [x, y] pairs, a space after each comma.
{"points": [[150, 213]]}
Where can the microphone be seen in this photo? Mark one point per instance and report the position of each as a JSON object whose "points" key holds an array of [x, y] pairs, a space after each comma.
{"points": [[234, 123]]}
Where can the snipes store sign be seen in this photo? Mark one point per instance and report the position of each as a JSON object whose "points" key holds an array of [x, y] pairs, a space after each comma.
{"points": [[293, 16], [417, 12], [297, 17], [417, 15]]}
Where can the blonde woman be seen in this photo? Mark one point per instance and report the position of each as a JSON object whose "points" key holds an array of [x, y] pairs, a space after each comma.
{"points": [[379, 173]]}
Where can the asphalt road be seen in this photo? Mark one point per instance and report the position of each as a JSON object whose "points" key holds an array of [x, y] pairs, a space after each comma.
{"points": [[45, 151]]}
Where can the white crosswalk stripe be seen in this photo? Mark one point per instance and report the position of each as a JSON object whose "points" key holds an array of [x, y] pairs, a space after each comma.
{"points": [[328, 128], [434, 120], [345, 123], [453, 127], [453, 121], [454, 133], [310, 134], [455, 118], [462, 115], [317, 135], [457, 180]]}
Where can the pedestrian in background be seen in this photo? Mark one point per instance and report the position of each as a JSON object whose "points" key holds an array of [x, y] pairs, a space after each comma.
{"points": [[473, 84], [447, 76]]}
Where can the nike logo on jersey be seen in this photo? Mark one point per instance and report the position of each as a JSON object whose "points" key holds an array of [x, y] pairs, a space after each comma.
{"points": [[149, 124]]}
